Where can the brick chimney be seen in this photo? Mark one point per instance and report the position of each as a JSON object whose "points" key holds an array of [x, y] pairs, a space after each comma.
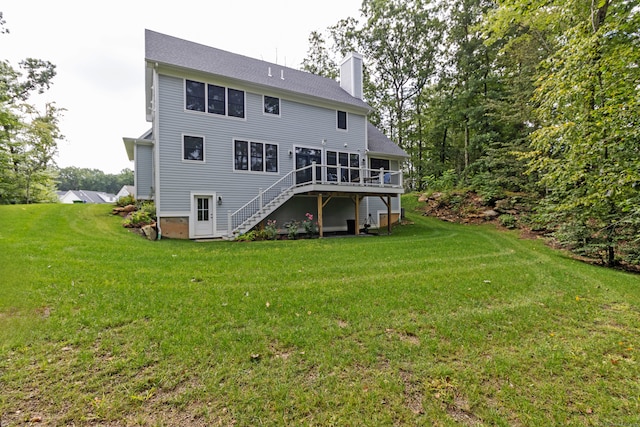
{"points": [[351, 74]]}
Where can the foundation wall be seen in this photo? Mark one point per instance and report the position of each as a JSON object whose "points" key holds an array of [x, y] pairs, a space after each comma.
{"points": [[175, 228]]}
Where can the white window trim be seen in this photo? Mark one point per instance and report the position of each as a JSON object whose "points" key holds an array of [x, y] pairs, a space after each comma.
{"points": [[264, 159], [204, 151]]}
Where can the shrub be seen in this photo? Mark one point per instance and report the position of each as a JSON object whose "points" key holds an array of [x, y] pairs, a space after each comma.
{"points": [[310, 227], [487, 188], [145, 215], [126, 200], [292, 229], [507, 220], [271, 230], [249, 236], [446, 181]]}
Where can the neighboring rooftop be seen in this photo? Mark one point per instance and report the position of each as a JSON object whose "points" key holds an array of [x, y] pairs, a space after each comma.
{"points": [[86, 196]]}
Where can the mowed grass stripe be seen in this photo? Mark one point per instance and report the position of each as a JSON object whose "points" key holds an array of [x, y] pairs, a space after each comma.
{"points": [[439, 324]]}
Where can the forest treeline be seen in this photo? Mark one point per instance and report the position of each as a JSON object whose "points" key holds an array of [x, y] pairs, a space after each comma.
{"points": [[74, 178], [29, 137], [517, 96]]}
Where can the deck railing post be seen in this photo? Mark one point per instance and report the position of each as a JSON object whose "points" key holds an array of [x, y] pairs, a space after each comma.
{"points": [[313, 172], [229, 224], [260, 193], [381, 177]]}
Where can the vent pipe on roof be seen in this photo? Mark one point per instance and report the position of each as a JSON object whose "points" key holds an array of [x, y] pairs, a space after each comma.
{"points": [[281, 74], [269, 74]]}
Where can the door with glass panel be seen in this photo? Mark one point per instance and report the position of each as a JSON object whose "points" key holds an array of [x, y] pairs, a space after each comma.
{"points": [[305, 157], [203, 215]]}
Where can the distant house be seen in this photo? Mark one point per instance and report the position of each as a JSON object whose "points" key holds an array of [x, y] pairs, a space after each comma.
{"points": [[86, 196], [126, 190], [236, 141]]}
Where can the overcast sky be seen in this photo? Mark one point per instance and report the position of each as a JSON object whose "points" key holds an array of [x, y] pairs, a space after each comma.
{"points": [[98, 48]]}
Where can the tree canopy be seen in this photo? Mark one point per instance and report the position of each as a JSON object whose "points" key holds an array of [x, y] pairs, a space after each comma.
{"points": [[28, 136], [536, 97]]}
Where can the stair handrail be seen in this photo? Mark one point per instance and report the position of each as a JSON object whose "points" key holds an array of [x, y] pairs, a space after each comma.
{"points": [[250, 208], [265, 197]]}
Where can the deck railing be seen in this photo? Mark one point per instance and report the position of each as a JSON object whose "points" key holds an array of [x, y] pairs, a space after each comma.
{"points": [[310, 175]]}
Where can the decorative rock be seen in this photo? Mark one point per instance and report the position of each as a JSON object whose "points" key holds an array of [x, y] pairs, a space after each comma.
{"points": [[150, 232], [123, 211], [490, 213]]}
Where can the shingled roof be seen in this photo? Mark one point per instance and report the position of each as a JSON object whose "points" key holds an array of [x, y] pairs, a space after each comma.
{"points": [[379, 143], [177, 52]]}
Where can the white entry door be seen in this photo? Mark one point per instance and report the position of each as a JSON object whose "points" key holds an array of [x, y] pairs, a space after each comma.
{"points": [[203, 216]]}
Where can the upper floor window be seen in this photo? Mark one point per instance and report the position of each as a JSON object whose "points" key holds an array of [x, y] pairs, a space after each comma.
{"points": [[195, 99], [255, 156], [271, 105], [342, 120], [193, 148], [217, 99], [236, 103]]}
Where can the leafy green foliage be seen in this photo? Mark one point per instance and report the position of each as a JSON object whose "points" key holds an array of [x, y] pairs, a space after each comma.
{"points": [[447, 181], [28, 137], [507, 220], [144, 215], [74, 178], [126, 200], [537, 97]]}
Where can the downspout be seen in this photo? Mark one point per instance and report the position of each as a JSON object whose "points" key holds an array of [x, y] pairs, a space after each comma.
{"points": [[156, 147]]}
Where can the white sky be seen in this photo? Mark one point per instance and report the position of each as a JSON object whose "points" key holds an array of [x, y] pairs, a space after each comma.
{"points": [[98, 48]]}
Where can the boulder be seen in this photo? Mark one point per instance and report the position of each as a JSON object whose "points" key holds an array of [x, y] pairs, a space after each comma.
{"points": [[489, 214], [123, 211], [150, 232]]}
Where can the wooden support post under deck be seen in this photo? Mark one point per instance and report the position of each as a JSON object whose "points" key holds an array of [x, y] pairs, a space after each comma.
{"points": [[387, 202], [320, 231], [389, 215], [357, 217]]}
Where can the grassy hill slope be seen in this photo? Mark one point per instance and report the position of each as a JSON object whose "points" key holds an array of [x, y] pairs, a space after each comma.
{"points": [[439, 323]]}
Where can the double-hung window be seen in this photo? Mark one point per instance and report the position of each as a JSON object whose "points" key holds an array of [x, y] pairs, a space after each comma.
{"points": [[195, 99], [217, 96], [255, 156], [236, 103]]}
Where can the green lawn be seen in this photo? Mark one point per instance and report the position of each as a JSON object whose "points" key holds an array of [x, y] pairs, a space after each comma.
{"points": [[437, 324]]}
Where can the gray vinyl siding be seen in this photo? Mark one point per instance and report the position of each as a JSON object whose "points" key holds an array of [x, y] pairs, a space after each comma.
{"points": [[298, 125], [144, 172]]}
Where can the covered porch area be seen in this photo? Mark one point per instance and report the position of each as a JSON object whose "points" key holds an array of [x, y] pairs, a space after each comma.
{"points": [[356, 194]]}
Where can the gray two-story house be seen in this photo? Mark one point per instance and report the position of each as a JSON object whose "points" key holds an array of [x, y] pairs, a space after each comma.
{"points": [[236, 141]]}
